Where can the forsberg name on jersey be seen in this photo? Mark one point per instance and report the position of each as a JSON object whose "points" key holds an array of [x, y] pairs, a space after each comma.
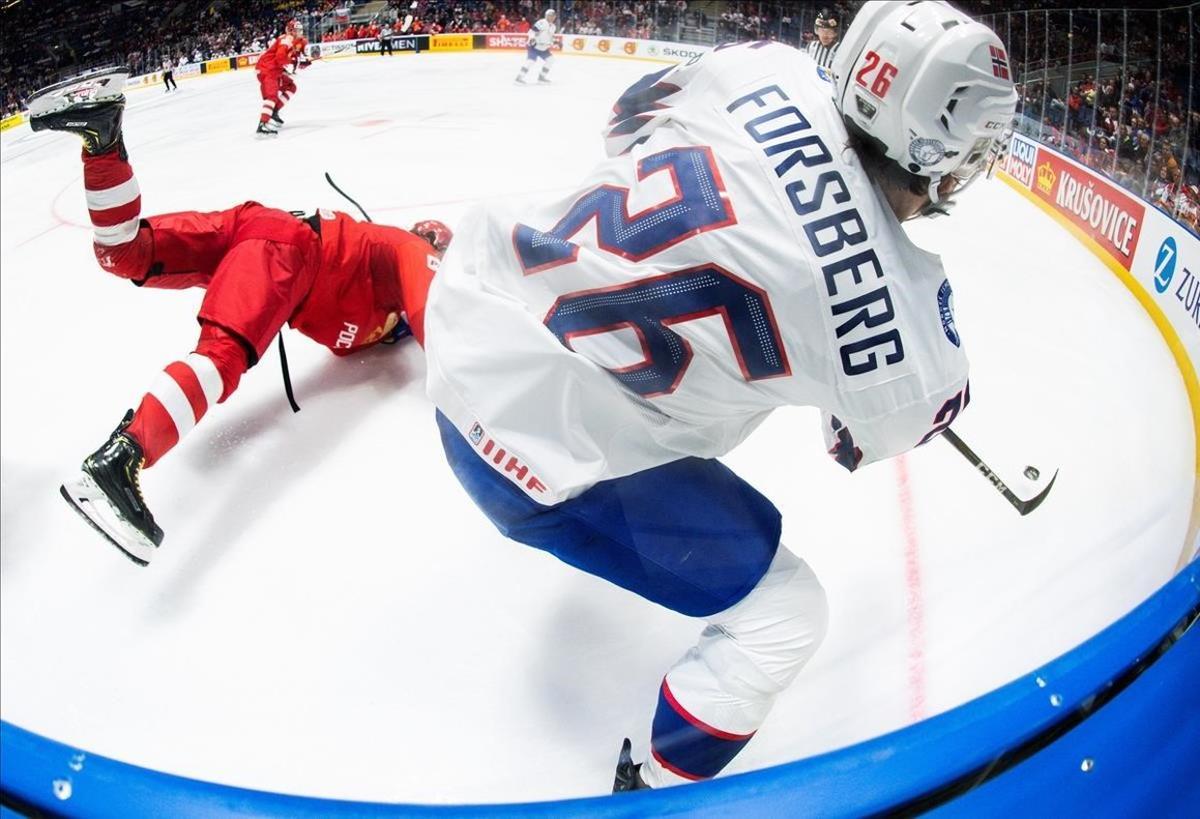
{"points": [[859, 302]]}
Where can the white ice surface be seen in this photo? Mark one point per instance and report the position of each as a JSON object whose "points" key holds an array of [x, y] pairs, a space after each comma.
{"points": [[329, 614]]}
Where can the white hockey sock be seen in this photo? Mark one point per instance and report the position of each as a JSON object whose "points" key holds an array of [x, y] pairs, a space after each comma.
{"points": [[714, 699]]}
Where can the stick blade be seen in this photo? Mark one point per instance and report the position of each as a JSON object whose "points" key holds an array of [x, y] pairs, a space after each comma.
{"points": [[1025, 507]]}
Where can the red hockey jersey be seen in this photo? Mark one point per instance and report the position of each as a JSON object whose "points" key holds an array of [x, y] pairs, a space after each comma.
{"points": [[283, 51], [371, 278]]}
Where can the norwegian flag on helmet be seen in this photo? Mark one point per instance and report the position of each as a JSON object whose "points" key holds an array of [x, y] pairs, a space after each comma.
{"points": [[999, 63]]}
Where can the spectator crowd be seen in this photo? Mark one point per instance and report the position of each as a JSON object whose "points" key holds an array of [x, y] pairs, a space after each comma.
{"points": [[1107, 87], [43, 41], [1126, 114]]}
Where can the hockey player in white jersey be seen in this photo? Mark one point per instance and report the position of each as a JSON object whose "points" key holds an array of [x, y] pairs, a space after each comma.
{"points": [[541, 40], [740, 250], [406, 25]]}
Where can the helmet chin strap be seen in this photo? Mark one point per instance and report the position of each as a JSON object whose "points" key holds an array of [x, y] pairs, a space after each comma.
{"points": [[937, 206], [935, 181], [940, 205]]}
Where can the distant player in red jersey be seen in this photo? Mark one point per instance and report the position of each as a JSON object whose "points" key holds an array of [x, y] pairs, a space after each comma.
{"points": [[285, 52], [343, 283]]}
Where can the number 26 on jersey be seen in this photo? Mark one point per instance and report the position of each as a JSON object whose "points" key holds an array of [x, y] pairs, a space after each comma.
{"points": [[649, 307]]}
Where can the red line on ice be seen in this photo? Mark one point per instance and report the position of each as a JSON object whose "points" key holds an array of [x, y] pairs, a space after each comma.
{"points": [[77, 183], [914, 596], [59, 221]]}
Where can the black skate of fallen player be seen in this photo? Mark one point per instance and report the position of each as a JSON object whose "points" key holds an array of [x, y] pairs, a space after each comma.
{"points": [[90, 106], [109, 488], [107, 493]]}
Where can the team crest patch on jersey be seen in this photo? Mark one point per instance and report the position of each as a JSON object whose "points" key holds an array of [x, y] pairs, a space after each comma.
{"points": [[946, 311], [926, 152], [476, 434], [824, 74]]}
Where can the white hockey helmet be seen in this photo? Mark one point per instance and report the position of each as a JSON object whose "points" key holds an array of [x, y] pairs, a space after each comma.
{"points": [[550, 13], [929, 83]]}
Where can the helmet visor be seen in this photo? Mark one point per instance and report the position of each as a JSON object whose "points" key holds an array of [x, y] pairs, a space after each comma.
{"points": [[976, 161]]}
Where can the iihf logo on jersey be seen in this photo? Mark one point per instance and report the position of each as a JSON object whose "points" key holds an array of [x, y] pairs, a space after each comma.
{"points": [[946, 311], [508, 464]]}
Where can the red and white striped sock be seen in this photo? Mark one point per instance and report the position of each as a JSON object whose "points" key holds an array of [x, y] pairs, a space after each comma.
{"points": [[268, 108], [176, 401], [185, 390], [113, 198]]}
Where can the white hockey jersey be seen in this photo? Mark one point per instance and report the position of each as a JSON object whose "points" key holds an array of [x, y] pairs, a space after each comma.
{"points": [[541, 34], [730, 257]]}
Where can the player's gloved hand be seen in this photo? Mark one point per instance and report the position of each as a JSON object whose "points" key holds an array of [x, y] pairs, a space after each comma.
{"points": [[396, 329], [305, 63], [434, 232]]}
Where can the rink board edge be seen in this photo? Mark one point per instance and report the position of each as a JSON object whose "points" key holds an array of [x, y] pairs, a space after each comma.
{"points": [[881, 774], [1179, 352], [1115, 687]]}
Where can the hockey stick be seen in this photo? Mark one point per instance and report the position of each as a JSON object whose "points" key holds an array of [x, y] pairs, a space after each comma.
{"points": [[1024, 507], [287, 376], [283, 363], [333, 185]]}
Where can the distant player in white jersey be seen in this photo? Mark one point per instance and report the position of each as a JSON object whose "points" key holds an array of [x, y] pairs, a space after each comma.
{"points": [[824, 48], [541, 40], [406, 26], [740, 250]]}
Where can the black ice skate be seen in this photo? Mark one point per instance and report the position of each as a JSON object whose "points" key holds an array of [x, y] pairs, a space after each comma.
{"points": [[629, 776], [275, 118], [90, 106], [265, 130], [108, 496]]}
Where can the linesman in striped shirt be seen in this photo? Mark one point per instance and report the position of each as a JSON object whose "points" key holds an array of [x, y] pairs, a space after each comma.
{"points": [[826, 45]]}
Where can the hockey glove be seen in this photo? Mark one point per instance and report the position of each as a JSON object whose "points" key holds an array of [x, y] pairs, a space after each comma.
{"points": [[401, 330]]}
